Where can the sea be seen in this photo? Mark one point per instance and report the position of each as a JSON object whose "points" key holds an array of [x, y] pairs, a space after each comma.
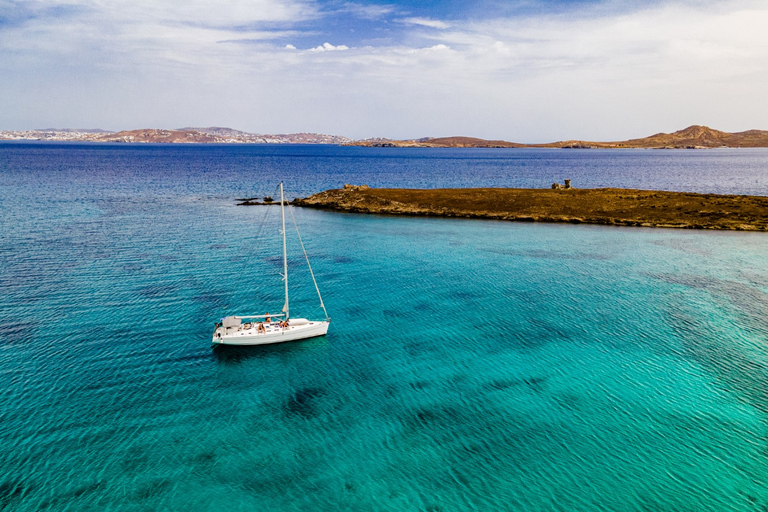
{"points": [[470, 365]]}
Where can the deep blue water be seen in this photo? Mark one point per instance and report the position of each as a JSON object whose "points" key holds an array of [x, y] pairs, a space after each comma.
{"points": [[470, 365]]}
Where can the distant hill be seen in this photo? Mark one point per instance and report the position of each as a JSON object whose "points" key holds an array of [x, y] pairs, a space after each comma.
{"points": [[72, 130], [151, 135], [213, 134], [703, 136], [312, 138], [470, 142], [692, 137], [689, 138], [217, 130], [231, 135], [439, 142]]}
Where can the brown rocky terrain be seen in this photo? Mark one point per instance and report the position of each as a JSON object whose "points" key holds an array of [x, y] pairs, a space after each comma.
{"points": [[440, 142], [230, 135], [153, 135], [212, 134], [612, 206], [690, 138]]}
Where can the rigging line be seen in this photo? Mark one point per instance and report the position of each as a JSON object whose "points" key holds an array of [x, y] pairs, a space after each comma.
{"points": [[263, 220], [290, 209], [263, 223]]}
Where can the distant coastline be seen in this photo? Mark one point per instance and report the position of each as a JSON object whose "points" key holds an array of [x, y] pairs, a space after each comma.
{"points": [[693, 137], [211, 135], [607, 206]]}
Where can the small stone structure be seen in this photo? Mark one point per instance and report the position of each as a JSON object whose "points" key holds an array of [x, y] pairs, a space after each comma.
{"points": [[347, 186], [558, 186]]}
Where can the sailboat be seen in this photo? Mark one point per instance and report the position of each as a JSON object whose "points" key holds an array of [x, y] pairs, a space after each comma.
{"points": [[267, 329]]}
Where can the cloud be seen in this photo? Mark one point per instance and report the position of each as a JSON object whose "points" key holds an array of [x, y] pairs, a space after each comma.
{"points": [[143, 33], [671, 43], [435, 48], [595, 73], [202, 12], [366, 11], [425, 22], [328, 47]]}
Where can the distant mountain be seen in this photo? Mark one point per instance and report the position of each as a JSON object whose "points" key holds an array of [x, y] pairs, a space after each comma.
{"points": [[689, 138], [231, 135], [702, 136], [213, 134], [72, 130], [439, 142], [218, 131], [471, 142], [152, 135], [311, 138], [692, 137]]}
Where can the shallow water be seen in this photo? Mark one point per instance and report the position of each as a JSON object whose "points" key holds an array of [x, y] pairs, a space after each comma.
{"points": [[470, 365]]}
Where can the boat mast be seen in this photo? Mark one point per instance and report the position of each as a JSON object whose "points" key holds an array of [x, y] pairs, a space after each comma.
{"points": [[285, 257]]}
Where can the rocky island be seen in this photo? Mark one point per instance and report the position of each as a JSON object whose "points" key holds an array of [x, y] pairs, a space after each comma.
{"points": [[609, 206], [210, 135], [693, 137]]}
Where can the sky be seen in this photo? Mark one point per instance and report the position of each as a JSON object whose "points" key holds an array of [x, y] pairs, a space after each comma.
{"points": [[518, 70]]}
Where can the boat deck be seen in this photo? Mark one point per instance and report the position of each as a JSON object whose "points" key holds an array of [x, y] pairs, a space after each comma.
{"points": [[270, 332]]}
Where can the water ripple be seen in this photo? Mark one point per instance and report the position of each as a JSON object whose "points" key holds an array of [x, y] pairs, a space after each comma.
{"points": [[470, 365]]}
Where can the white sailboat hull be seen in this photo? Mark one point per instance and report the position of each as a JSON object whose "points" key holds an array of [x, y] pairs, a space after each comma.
{"points": [[273, 333], [260, 329]]}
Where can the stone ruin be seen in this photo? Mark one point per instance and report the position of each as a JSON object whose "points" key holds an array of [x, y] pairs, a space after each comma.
{"points": [[558, 186], [347, 186]]}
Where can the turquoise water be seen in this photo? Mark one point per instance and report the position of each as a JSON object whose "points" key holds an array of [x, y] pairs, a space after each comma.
{"points": [[470, 365]]}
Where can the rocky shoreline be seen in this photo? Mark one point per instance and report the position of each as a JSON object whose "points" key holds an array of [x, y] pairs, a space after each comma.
{"points": [[693, 137], [608, 206]]}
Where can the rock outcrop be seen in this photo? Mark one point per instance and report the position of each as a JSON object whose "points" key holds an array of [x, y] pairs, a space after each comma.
{"points": [[213, 134], [693, 137], [611, 206]]}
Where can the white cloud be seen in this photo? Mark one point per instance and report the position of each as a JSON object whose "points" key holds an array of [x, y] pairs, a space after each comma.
{"points": [[145, 28], [205, 12], [673, 43], [425, 22], [435, 48], [328, 47], [367, 11], [535, 78]]}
